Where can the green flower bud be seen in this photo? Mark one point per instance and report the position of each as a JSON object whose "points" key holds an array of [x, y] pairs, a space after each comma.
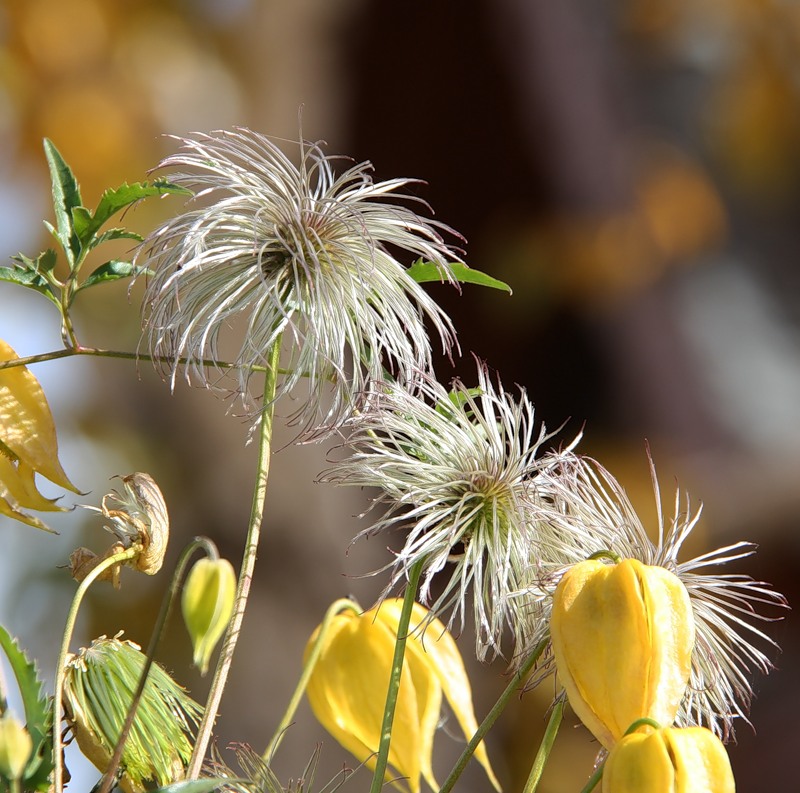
{"points": [[15, 747], [208, 597]]}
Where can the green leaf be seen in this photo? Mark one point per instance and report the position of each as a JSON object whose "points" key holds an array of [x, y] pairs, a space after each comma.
{"points": [[38, 713], [66, 196], [28, 277], [424, 272], [110, 271], [115, 234], [113, 200]]}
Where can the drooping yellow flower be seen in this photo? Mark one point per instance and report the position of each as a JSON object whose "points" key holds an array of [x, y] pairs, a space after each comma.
{"points": [[670, 760], [28, 444], [622, 636], [347, 689]]}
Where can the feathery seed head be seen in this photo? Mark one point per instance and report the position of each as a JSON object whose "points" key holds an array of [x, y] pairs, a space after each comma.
{"points": [[459, 470], [300, 253]]}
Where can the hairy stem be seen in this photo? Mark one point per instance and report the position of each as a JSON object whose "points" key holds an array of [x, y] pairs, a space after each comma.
{"points": [[382, 759], [246, 572], [58, 695], [335, 608], [493, 715]]}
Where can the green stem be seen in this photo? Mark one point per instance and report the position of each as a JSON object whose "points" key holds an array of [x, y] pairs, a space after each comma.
{"points": [[493, 715], [594, 779], [54, 355], [58, 694], [158, 629], [382, 759], [545, 747], [246, 572], [335, 608]]}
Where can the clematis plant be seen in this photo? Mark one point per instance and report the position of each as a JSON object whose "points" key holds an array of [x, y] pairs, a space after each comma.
{"points": [[323, 271]]}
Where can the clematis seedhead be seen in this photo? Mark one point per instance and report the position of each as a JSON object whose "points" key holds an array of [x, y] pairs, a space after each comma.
{"points": [[297, 252]]}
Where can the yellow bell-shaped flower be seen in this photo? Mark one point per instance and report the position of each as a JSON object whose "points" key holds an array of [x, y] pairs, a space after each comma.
{"points": [[347, 688], [622, 637], [27, 444], [670, 760]]}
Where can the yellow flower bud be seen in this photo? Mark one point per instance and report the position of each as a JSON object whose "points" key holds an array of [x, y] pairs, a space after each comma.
{"points": [[347, 689], [15, 747], [670, 760], [208, 597], [622, 636]]}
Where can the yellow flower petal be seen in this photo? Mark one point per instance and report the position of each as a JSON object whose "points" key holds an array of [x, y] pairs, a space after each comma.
{"points": [[437, 649], [19, 484], [622, 637], [347, 692], [26, 424], [15, 494], [670, 760]]}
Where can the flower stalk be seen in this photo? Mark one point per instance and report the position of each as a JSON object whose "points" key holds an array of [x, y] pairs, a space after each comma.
{"points": [[394, 680], [58, 694], [246, 571], [335, 608], [158, 629]]}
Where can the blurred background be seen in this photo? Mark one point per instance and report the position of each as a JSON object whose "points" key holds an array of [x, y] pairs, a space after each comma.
{"points": [[630, 168]]}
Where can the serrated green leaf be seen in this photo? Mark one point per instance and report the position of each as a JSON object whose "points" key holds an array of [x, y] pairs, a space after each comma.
{"points": [[110, 271], [113, 200], [28, 278], [66, 196], [38, 713], [113, 234], [46, 261], [424, 272], [81, 221], [205, 785]]}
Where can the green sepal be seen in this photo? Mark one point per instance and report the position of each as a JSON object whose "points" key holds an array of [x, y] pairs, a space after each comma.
{"points": [[66, 197], [425, 272], [28, 273], [112, 270], [38, 713]]}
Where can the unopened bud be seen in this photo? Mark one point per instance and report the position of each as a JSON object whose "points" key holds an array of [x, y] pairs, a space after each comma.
{"points": [[623, 636], [208, 597], [15, 747], [691, 759]]}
